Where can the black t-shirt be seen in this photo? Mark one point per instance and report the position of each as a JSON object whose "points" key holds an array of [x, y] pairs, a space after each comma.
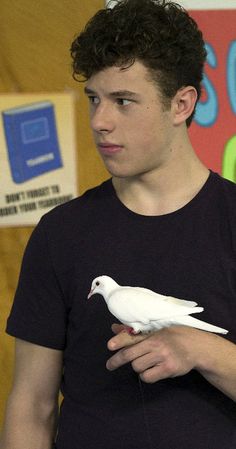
{"points": [[189, 254]]}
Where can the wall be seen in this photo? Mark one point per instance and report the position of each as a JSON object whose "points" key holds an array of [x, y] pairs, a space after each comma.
{"points": [[35, 39]]}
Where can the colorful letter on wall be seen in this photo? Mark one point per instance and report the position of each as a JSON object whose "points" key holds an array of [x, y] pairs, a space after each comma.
{"points": [[213, 131]]}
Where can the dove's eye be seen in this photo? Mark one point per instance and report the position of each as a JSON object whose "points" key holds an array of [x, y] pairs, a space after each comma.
{"points": [[97, 283]]}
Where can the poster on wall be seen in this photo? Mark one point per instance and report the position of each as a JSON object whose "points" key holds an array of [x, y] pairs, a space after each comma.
{"points": [[37, 155], [213, 131]]}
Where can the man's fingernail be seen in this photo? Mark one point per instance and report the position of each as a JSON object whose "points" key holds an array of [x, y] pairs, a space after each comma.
{"points": [[108, 366]]}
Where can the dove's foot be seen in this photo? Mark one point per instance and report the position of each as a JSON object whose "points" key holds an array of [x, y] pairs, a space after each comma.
{"points": [[132, 331]]}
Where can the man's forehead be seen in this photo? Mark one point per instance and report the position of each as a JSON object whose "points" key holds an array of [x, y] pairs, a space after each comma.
{"points": [[115, 79]]}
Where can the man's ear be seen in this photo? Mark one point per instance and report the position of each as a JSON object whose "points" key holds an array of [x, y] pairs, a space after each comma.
{"points": [[183, 104]]}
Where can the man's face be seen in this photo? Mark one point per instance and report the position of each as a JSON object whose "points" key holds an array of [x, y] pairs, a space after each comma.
{"points": [[132, 130]]}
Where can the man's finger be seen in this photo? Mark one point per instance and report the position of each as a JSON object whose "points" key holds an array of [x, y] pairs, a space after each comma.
{"points": [[123, 338]]}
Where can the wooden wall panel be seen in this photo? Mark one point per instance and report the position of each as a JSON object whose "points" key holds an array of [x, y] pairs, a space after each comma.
{"points": [[35, 38]]}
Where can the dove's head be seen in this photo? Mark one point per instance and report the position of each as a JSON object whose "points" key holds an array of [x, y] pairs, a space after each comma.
{"points": [[102, 285]]}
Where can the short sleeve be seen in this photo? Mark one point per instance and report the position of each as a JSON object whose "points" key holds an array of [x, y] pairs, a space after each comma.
{"points": [[38, 314]]}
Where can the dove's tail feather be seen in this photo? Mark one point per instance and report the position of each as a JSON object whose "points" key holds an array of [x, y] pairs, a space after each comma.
{"points": [[199, 324]]}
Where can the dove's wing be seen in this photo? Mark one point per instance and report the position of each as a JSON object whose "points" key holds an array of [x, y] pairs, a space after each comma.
{"points": [[131, 304], [171, 299]]}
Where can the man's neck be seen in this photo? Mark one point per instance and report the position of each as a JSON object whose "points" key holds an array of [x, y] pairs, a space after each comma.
{"points": [[163, 191]]}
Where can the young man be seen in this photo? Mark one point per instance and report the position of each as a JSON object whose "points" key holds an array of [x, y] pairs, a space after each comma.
{"points": [[163, 221]]}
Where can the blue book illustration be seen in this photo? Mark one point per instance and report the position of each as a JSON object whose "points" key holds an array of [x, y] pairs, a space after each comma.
{"points": [[32, 141]]}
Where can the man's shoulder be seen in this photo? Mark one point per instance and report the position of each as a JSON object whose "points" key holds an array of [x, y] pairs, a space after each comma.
{"points": [[90, 199], [226, 187], [228, 184], [224, 198], [220, 185]]}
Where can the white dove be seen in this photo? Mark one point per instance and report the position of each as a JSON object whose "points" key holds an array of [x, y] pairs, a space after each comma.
{"points": [[144, 310]]}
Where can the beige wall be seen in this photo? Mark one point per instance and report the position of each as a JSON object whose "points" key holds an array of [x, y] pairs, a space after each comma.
{"points": [[35, 37]]}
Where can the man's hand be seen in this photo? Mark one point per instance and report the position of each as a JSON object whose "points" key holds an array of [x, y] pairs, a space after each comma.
{"points": [[170, 352], [174, 351]]}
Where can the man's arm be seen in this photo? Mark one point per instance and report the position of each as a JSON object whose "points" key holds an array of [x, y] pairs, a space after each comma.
{"points": [[175, 351], [32, 408]]}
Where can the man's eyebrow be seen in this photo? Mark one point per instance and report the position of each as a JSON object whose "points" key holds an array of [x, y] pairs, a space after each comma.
{"points": [[123, 93], [118, 93], [88, 91]]}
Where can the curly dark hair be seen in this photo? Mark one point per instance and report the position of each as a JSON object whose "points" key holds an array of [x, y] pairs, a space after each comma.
{"points": [[158, 33]]}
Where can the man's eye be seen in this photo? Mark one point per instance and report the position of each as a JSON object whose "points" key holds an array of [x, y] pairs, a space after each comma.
{"points": [[93, 99], [123, 101]]}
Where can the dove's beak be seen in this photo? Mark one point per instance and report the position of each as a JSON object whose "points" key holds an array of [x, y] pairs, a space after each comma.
{"points": [[90, 294]]}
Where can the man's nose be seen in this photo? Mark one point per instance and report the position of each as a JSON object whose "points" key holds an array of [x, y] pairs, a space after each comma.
{"points": [[102, 119]]}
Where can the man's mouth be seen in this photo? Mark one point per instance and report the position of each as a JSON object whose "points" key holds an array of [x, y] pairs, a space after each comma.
{"points": [[109, 148]]}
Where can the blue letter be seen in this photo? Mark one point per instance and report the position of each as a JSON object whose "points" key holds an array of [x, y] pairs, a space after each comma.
{"points": [[231, 75], [207, 111]]}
